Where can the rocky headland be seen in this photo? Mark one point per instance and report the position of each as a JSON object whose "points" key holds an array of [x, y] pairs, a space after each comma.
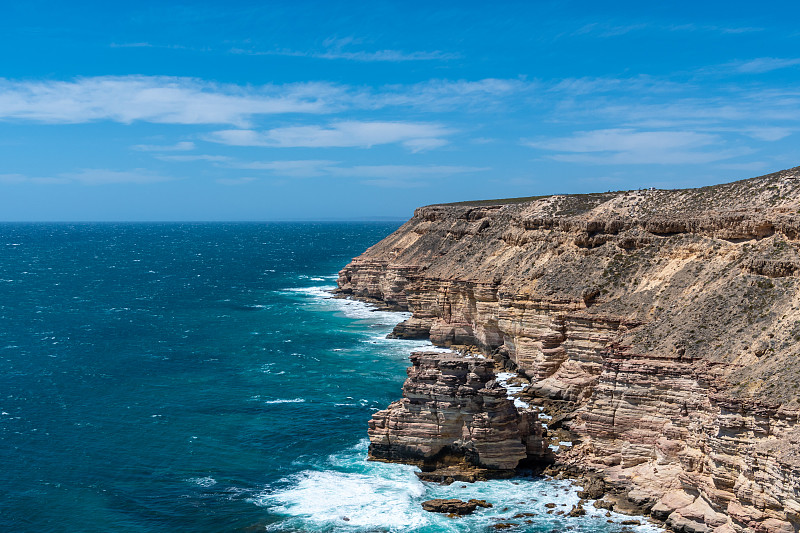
{"points": [[656, 333]]}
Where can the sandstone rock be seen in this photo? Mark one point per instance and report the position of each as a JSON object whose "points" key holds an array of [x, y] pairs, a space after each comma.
{"points": [[593, 488], [454, 506], [455, 422], [577, 510], [670, 502], [773, 525], [680, 524]]}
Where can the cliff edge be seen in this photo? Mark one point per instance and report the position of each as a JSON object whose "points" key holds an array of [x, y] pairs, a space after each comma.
{"points": [[661, 329]]}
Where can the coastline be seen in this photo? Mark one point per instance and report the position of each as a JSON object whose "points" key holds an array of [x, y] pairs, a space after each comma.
{"points": [[587, 487], [619, 309]]}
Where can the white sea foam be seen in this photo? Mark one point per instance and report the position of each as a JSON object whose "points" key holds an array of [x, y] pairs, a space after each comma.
{"points": [[381, 322], [349, 493], [352, 495], [350, 308], [283, 400], [349, 500], [207, 481], [502, 379]]}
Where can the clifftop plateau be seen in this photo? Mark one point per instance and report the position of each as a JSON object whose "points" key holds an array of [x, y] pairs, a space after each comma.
{"points": [[660, 327]]}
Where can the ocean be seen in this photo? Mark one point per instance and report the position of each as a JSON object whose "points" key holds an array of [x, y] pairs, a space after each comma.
{"points": [[199, 378]]}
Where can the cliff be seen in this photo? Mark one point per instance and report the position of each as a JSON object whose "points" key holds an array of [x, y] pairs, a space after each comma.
{"points": [[659, 327], [456, 422]]}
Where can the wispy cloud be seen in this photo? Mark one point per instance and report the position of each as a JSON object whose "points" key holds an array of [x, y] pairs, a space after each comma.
{"points": [[628, 146], [90, 176], [99, 176], [145, 44], [341, 48], [141, 44], [391, 56], [711, 28], [761, 65], [415, 136], [199, 157], [731, 108], [402, 171], [183, 146], [296, 169], [609, 30], [308, 168], [445, 95], [157, 99], [768, 133], [14, 179], [173, 100]]}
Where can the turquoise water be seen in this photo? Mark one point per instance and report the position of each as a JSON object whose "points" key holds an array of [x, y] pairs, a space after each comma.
{"points": [[197, 377]]}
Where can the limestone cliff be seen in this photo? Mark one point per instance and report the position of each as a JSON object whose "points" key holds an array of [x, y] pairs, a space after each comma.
{"points": [[661, 327], [456, 422]]}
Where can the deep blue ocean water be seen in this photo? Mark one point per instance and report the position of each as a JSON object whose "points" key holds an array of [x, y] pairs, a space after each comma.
{"points": [[197, 377]]}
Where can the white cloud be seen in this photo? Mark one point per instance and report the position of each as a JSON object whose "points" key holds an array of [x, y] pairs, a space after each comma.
{"points": [[199, 157], [423, 144], [620, 140], [765, 64], [769, 134], [90, 176], [609, 30], [297, 169], [628, 146], [99, 176], [339, 48], [183, 146], [13, 178], [158, 99], [176, 100], [237, 137], [402, 171], [307, 168], [415, 136], [392, 56], [444, 95]]}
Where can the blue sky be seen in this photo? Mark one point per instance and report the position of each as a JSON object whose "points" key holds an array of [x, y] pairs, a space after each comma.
{"points": [[335, 110]]}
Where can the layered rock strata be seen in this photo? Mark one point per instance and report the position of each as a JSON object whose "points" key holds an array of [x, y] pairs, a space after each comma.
{"points": [[456, 422], [666, 324]]}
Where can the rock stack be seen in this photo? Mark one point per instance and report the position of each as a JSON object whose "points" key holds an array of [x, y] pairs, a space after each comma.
{"points": [[455, 422]]}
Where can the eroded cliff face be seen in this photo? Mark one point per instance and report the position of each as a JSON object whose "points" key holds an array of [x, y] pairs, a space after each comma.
{"points": [[456, 422], [662, 327]]}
